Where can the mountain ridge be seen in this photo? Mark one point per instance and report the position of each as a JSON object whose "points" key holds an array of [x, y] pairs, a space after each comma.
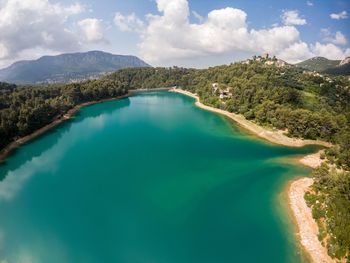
{"points": [[327, 66], [68, 67], [318, 64]]}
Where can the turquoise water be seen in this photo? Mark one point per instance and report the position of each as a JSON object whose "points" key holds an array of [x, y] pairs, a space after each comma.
{"points": [[147, 179]]}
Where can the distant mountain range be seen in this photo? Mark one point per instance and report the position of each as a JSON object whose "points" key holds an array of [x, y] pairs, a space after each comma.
{"points": [[324, 65], [67, 67]]}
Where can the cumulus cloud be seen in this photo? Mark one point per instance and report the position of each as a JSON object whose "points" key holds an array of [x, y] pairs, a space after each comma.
{"points": [[291, 17], [309, 3], [35, 23], [176, 37], [329, 51], [338, 16], [338, 38], [128, 23], [74, 9], [296, 52], [171, 36], [275, 39], [92, 29]]}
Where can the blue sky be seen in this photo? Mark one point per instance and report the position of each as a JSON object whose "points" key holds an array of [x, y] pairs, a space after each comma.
{"points": [[193, 33]]}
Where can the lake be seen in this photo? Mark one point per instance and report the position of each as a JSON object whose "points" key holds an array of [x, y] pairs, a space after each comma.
{"points": [[148, 179]]}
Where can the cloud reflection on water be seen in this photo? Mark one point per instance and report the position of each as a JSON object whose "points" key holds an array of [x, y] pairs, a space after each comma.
{"points": [[49, 159]]}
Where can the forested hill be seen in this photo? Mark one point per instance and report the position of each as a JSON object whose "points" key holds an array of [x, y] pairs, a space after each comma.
{"points": [[318, 64], [341, 69], [67, 67], [327, 66]]}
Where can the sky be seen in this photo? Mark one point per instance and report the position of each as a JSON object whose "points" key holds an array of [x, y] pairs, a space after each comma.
{"points": [[189, 33]]}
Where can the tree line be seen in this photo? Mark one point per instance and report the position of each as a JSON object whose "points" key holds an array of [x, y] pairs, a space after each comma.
{"points": [[25, 109], [306, 106]]}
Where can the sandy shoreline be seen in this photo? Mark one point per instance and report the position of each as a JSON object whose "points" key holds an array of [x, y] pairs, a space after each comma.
{"points": [[14, 145], [312, 160], [307, 227], [276, 137]]}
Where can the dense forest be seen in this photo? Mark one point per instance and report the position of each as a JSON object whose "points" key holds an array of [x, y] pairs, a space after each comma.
{"points": [[304, 104], [26, 109]]}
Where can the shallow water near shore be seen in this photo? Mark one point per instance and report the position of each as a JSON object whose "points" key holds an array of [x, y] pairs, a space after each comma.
{"points": [[152, 179]]}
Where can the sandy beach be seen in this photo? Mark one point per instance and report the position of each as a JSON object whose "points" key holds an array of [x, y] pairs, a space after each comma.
{"points": [[312, 160], [276, 137], [306, 225]]}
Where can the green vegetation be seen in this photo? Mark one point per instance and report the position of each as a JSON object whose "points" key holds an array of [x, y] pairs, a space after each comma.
{"points": [[26, 109], [339, 70], [329, 199], [324, 65], [318, 64]]}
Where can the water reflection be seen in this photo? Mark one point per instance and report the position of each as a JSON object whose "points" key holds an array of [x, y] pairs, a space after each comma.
{"points": [[46, 153]]}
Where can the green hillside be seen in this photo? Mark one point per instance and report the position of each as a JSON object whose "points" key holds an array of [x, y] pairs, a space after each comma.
{"points": [[318, 64]]}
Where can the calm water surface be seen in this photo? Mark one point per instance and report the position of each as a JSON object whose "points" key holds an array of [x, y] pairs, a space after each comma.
{"points": [[148, 179]]}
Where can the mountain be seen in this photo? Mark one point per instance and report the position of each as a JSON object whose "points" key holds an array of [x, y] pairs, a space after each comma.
{"points": [[344, 61], [67, 67], [342, 69], [318, 64]]}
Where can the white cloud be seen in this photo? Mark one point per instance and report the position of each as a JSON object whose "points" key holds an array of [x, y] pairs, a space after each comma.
{"points": [[296, 52], [309, 3], [175, 37], [32, 28], [275, 39], [128, 23], [329, 50], [291, 17], [75, 9], [170, 37], [92, 29], [37, 23], [341, 15], [338, 38]]}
